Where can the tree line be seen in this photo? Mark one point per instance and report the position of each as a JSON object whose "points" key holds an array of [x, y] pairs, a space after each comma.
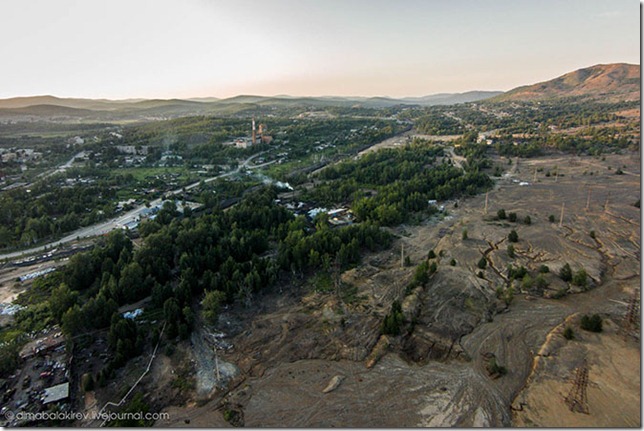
{"points": [[187, 265], [386, 186]]}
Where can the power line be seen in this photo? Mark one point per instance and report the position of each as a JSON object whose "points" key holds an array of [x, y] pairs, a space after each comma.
{"points": [[147, 369], [631, 318], [577, 399]]}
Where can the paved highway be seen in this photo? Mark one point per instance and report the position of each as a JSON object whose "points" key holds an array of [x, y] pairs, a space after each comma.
{"points": [[116, 223]]}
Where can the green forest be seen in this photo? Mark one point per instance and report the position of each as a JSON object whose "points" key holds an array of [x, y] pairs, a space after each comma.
{"points": [[389, 185]]}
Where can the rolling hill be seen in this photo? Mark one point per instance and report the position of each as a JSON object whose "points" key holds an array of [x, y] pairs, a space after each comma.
{"points": [[51, 111], [605, 82], [608, 82], [30, 107], [92, 104]]}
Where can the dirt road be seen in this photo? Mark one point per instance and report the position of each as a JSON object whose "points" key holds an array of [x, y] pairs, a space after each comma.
{"points": [[296, 340]]}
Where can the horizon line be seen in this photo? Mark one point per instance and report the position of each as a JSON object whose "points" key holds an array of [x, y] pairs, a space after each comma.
{"points": [[275, 96], [282, 95]]}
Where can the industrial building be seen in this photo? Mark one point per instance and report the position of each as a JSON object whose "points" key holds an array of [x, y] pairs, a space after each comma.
{"points": [[259, 135]]}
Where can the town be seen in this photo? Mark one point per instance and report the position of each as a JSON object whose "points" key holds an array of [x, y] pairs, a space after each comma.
{"points": [[299, 215]]}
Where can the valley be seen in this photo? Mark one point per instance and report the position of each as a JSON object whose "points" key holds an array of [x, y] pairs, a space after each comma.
{"points": [[317, 262]]}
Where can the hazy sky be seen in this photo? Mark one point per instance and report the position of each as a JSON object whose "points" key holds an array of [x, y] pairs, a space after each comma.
{"points": [[198, 48]]}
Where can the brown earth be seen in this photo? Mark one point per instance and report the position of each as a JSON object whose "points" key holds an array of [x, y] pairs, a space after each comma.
{"points": [[613, 388], [296, 340], [608, 82]]}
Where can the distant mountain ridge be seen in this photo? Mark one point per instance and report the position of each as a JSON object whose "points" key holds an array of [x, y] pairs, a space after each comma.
{"points": [[45, 110], [610, 82], [94, 104], [111, 105]]}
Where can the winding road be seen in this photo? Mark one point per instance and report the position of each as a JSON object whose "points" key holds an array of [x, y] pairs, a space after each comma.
{"points": [[116, 223]]}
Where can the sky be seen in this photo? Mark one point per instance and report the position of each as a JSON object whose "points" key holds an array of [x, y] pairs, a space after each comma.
{"points": [[121, 49]]}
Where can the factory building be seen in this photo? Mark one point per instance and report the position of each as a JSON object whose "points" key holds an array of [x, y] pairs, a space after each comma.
{"points": [[260, 135]]}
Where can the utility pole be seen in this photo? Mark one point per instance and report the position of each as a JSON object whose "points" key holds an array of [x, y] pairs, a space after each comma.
{"points": [[336, 275], [577, 399], [217, 366], [563, 205], [606, 202], [631, 319]]}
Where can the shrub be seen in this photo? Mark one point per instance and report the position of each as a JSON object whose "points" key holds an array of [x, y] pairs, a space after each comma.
{"points": [[540, 282], [551, 218], [501, 214], [568, 333], [421, 275], [565, 273], [527, 282], [513, 236], [233, 417], [482, 263], [511, 251], [508, 295], [494, 368], [464, 234], [393, 321], [431, 255], [228, 415], [452, 262], [433, 268], [591, 323], [592, 234], [512, 217], [544, 269], [580, 278], [516, 273], [560, 293], [211, 304], [527, 220]]}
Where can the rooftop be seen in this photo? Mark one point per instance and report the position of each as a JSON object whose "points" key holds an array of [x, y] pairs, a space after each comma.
{"points": [[56, 393]]}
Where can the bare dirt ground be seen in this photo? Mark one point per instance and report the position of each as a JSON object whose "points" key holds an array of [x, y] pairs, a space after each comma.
{"points": [[613, 388], [297, 342], [10, 287]]}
